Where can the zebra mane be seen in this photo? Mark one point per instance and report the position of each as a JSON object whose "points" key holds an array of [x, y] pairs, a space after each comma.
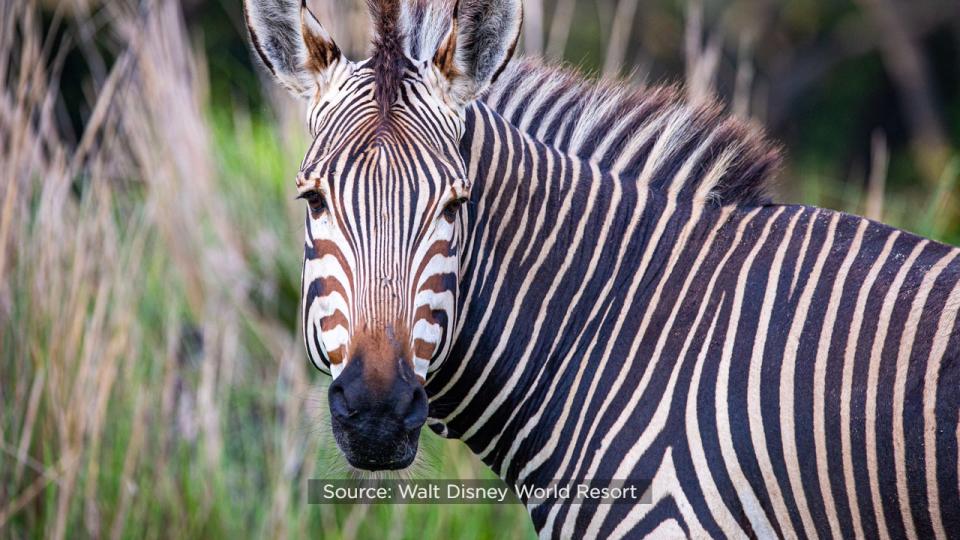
{"points": [[652, 134]]}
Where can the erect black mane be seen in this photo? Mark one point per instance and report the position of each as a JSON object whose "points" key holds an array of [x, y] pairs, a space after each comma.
{"points": [[592, 109]]}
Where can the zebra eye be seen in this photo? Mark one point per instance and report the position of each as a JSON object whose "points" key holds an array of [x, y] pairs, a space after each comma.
{"points": [[315, 200], [450, 210]]}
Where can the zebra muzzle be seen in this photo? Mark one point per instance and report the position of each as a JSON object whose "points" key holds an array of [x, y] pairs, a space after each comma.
{"points": [[377, 422]]}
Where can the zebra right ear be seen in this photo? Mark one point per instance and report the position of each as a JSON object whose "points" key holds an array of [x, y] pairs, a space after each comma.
{"points": [[481, 40], [292, 44]]}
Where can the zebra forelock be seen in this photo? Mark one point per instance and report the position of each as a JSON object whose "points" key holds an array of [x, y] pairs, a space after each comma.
{"points": [[389, 61]]}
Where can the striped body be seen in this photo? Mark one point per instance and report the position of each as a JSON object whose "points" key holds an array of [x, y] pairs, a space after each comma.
{"points": [[776, 370]]}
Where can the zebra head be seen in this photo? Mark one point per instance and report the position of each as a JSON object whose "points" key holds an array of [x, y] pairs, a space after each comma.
{"points": [[384, 182]]}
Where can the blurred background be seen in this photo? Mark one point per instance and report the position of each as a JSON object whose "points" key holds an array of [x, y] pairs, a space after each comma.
{"points": [[152, 379]]}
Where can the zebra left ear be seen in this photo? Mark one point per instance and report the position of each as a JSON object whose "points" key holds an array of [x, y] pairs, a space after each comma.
{"points": [[481, 40]]}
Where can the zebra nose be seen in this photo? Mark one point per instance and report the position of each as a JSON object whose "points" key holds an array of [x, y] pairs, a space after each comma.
{"points": [[352, 400], [377, 423]]}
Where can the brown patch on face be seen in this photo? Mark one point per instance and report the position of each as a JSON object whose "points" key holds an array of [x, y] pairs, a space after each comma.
{"points": [[327, 247], [335, 319], [328, 285], [423, 349], [380, 350], [424, 313], [336, 355], [435, 283], [438, 248]]}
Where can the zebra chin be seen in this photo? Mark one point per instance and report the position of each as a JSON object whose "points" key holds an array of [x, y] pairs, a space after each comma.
{"points": [[376, 420]]}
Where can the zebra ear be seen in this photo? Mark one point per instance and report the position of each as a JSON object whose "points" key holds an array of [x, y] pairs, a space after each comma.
{"points": [[481, 40], [292, 43]]}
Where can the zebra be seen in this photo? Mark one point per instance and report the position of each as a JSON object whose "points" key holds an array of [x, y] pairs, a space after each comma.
{"points": [[587, 281]]}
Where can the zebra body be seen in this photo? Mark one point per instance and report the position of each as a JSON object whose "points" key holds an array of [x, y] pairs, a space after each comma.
{"points": [[776, 370], [618, 299]]}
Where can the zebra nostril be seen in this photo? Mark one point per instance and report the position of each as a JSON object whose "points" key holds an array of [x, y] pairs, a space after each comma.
{"points": [[416, 413], [339, 407]]}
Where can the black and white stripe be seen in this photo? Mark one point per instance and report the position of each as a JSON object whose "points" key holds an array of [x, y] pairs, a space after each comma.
{"points": [[380, 254], [776, 370]]}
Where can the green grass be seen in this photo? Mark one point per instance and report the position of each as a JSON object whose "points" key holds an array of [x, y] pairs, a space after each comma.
{"points": [[926, 212]]}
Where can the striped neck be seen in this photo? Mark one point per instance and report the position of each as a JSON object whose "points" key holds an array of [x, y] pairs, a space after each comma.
{"points": [[578, 188], [549, 238]]}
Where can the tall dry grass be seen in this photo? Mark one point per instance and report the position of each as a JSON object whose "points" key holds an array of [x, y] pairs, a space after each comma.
{"points": [[151, 377], [95, 360]]}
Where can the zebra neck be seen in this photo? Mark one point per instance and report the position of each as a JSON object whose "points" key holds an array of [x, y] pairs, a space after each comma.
{"points": [[549, 238]]}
